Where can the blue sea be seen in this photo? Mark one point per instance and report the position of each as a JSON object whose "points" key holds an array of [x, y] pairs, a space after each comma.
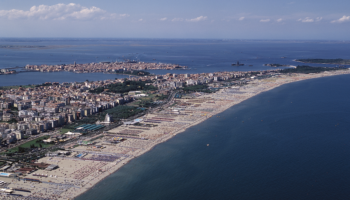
{"points": [[199, 55], [292, 142]]}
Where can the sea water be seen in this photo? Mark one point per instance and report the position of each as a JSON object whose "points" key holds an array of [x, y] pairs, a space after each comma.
{"points": [[199, 55], [292, 142]]}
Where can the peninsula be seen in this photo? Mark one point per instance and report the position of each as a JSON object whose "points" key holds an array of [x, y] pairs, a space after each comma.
{"points": [[338, 61], [59, 140], [112, 67]]}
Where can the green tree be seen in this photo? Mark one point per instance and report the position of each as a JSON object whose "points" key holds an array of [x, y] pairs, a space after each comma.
{"points": [[21, 150]]}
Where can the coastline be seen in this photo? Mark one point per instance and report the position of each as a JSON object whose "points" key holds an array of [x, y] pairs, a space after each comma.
{"points": [[199, 109], [222, 109], [295, 60]]}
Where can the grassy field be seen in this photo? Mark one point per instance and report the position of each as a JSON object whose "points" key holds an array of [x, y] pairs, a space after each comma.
{"points": [[65, 130], [27, 145], [146, 101], [134, 103]]}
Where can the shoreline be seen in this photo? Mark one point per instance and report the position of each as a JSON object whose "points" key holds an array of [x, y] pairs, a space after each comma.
{"points": [[169, 136], [295, 60], [198, 110]]}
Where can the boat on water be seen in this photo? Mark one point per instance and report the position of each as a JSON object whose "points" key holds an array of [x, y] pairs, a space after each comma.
{"points": [[237, 64], [130, 61]]}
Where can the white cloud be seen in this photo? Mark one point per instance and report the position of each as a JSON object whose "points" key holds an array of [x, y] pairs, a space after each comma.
{"points": [[200, 18], [241, 18], [342, 19], [279, 20], [319, 19], [177, 20], [124, 15], [309, 20], [140, 20], [163, 19], [306, 20], [264, 20], [59, 12]]}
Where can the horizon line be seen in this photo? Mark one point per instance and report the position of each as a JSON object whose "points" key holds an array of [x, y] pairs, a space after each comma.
{"points": [[144, 38]]}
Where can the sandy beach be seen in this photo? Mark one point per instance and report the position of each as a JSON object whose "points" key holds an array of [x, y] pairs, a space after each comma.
{"points": [[89, 164]]}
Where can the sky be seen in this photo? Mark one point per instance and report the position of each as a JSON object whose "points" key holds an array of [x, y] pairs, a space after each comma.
{"points": [[202, 19]]}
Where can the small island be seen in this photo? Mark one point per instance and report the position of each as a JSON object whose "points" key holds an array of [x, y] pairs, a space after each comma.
{"points": [[337, 61], [237, 64], [7, 71]]}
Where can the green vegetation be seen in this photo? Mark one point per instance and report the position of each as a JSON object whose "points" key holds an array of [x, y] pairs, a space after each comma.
{"points": [[308, 69], [23, 86], [86, 120], [14, 109], [37, 143], [121, 112], [11, 121], [44, 84], [197, 88], [338, 61], [148, 101], [145, 103], [65, 130], [174, 104], [135, 73], [127, 86], [162, 97], [56, 149], [118, 112], [26, 137]]}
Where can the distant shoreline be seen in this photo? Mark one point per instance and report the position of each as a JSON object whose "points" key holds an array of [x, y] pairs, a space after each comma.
{"points": [[331, 61]]}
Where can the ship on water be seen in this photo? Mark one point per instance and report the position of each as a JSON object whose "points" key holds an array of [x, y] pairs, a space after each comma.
{"points": [[237, 64]]}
